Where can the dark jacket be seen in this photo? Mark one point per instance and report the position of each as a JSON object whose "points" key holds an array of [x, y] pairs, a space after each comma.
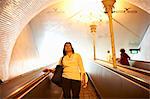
{"points": [[124, 59]]}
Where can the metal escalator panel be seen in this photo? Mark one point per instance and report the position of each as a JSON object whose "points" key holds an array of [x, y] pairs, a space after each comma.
{"points": [[46, 89], [109, 83]]}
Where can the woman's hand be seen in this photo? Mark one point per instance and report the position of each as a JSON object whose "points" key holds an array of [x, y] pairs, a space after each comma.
{"points": [[83, 81], [46, 70]]}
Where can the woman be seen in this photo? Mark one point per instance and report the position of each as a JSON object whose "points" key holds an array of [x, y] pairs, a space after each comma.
{"points": [[73, 73], [124, 58]]}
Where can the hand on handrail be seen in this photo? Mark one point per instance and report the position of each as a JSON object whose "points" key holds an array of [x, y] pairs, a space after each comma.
{"points": [[47, 70]]}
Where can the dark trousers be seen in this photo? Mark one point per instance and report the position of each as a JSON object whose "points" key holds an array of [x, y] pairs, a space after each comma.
{"points": [[69, 85]]}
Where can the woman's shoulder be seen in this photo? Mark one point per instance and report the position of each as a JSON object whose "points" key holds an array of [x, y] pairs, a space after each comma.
{"points": [[77, 54]]}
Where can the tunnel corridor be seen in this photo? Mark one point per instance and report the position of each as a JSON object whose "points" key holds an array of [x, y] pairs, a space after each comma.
{"points": [[32, 37]]}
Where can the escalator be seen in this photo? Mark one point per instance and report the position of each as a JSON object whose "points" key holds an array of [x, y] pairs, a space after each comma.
{"points": [[104, 82], [38, 85]]}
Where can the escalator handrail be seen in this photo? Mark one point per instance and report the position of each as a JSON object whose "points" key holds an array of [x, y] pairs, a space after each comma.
{"points": [[140, 61], [145, 72], [23, 90]]}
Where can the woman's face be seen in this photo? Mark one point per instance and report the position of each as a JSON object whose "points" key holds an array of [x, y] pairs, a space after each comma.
{"points": [[68, 48]]}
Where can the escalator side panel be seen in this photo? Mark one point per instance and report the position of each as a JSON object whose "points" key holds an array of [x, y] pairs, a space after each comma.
{"points": [[112, 85], [46, 89]]}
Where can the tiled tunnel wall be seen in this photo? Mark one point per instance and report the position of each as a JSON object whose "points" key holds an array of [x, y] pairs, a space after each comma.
{"points": [[144, 53], [25, 55], [14, 15]]}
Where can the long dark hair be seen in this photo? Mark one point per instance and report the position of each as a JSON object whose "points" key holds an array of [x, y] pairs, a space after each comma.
{"points": [[64, 52]]}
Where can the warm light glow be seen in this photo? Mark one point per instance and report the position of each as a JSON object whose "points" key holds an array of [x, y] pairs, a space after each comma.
{"points": [[86, 11]]}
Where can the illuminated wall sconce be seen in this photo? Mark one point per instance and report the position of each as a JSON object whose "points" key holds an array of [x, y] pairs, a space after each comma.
{"points": [[93, 28]]}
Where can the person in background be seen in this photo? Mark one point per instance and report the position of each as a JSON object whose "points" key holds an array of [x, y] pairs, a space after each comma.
{"points": [[109, 56], [124, 58]]}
